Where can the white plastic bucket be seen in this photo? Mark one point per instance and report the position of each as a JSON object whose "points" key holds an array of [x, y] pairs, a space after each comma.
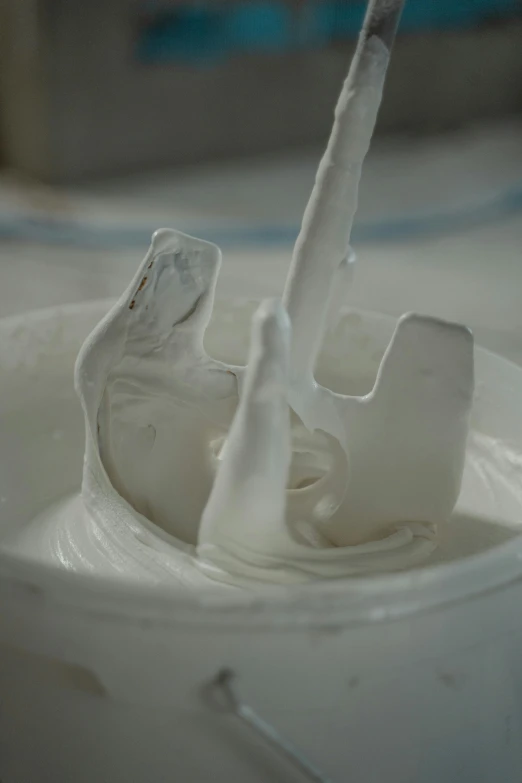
{"points": [[412, 677]]}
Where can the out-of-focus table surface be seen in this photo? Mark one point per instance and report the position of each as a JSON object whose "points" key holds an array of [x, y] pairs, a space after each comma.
{"points": [[439, 226]]}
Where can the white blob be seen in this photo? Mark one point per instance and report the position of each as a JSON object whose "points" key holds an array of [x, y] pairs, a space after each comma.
{"points": [[308, 483], [152, 398], [404, 472]]}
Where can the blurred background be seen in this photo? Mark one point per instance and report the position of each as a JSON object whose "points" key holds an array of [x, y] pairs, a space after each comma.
{"points": [[120, 116]]}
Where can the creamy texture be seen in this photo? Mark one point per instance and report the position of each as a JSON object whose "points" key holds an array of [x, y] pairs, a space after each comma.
{"points": [[395, 459], [274, 476], [215, 454], [129, 548], [259, 472], [323, 242], [112, 538], [268, 474]]}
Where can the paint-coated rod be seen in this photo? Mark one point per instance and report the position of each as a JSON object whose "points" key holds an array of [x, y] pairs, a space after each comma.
{"points": [[323, 241], [382, 19], [223, 682]]}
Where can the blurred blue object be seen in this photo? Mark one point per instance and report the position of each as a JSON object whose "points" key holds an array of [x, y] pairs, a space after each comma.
{"points": [[64, 231], [206, 32]]}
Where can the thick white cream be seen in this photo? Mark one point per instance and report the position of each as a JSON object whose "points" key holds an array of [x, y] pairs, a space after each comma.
{"points": [[273, 475], [66, 536], [260, 472], [216, 454], [113, 539]]}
